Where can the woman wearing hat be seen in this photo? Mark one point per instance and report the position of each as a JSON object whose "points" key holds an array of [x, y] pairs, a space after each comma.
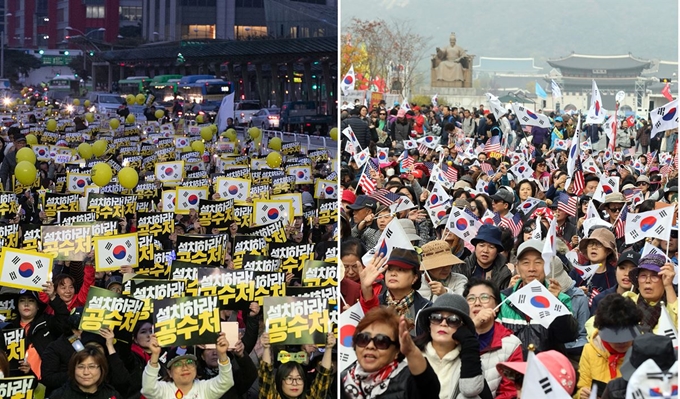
{"points": [[182, 373], [653, 279], [450, 345], [398, 288], [556, 363], [616, 321], [598, 249], [437, 262], [487, 262], [382, 342]]}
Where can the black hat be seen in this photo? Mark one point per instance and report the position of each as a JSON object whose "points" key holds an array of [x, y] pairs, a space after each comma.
{"points": [[649, 346], [364, 201], [629, 256], [114, 280]]}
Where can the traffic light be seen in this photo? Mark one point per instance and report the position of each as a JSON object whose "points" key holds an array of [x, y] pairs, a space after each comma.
{"points": [[180, 58], [91, 53], [66, 52]]}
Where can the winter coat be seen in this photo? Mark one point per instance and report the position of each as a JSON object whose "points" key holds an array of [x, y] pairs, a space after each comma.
{"points": [[672, 309], [594, 364], [54, 367], [213, 388], [623, 137], [45, 328], [405, 385], [563, 329], [504, 347], [380, 299], [644, 135], [400, 131], [500, 274], [360, 129], [71, 391]]}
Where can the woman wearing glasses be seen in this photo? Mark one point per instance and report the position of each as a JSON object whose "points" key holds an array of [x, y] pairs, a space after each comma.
{"points": [[289, 379], [87, 373], [451, 346], [653, 279], [182, 373], [382, 341], [496, 343]]}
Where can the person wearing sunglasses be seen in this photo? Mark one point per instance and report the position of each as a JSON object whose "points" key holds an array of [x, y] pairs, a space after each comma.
{"points": [[382, 342], [597, 249], [653, 279], [182, 371], [496, 343], [288, 381], [451, 347], [563, 329], [556, 363]]}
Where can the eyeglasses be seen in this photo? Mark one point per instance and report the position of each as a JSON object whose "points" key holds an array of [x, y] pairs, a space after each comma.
{"points": [[595, 244], [615, 210], [483, 298], [642, 183], [293, 380], [541, 164], [383, 114], [654, 278], [182, 364], [451, 321], [380, 341], [88, 367]]}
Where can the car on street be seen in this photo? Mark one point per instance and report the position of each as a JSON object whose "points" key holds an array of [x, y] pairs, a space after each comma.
{"points": [[267, 118]]}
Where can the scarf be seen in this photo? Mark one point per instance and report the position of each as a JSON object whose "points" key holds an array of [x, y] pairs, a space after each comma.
{"points": [[650, 313], [449, 365], [614, 358], [359, 384], [401, 306]]}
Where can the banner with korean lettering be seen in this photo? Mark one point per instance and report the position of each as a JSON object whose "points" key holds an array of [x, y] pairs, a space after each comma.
{"points": [[9, 235], [296, 321], [247, 245], [67, 242], [291, 148], [9, 205], [215, 214], [111, 206], [157, 224], [273, 232], [329, 293], [159, 267], [201, 249], [148, 290], [316, 273], [14, 344], [260, 192], [31, 237], [54, 203], [25, 270], [107, 309], [111, 253], [328, 211], [293, 257], [258, 263], [18, 387], [243, 215], [186, 321], [237, 288], [74, 218]]}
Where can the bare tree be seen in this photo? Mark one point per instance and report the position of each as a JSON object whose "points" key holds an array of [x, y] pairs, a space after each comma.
{"points": [[408, 49]]}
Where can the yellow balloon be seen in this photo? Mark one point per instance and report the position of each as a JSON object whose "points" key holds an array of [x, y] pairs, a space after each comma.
{"points": [[87, 103], [51, 125], [114, 123], [130, 119], [25, 154], [85, 150], [213, 128], [275, 144], [26, 173], [254, 132], [130, 99], [31, 139], [159, 113], [40, 104], [76, 102], [186, 149], [198, 146], [274, 159], [89, 117], [128, 177], [206, 133], [101, 174], [334, 133], [231, 134], [141, 99], [99, 147], [199, 118]]}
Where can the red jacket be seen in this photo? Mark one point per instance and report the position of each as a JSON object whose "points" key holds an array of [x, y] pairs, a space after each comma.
{"points": [[419, 123], [80, 298], [506, 388]]}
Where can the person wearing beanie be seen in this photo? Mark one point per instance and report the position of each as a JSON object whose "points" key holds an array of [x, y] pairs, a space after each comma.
{"points": [[653, 279], [394, 282], [437, 263], [616, 321], [450, 345]]}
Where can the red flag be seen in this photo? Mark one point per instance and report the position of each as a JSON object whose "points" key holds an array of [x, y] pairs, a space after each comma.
{"points": [[667, 92], [630, 120]]}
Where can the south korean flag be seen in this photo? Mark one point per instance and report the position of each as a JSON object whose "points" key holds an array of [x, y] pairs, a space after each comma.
{"points": [[76, 182], [232, 188], [27, 270], [112, 253], [269, 211], [303, 174], [169, 171], [189, 198], [169, 202]]}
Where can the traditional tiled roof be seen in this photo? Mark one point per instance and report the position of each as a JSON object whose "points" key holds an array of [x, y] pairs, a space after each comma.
{"points": [[610, 62]]}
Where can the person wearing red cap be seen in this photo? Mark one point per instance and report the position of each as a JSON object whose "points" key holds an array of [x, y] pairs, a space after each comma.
{"points": [[348, 198], [419, 121], [556, 363]]}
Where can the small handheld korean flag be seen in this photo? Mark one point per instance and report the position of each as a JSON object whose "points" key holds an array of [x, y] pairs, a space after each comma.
{"points": [[537, 302], [110, 253], [188, 198], [169, 200], [463, 224], [650, 224], [666, 326], [650, 249], [649, 381], [270, 211], [586, 272], [596, 114], [76, 182], [402, 204], [348, 322], [539, 383], [169, 171], [665, 117], [392, 237], [233, 188], [27, 270]]}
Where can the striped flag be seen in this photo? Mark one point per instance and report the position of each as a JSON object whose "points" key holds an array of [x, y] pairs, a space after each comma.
{"points": [[365, 181], [450, 173], [422, 149], [567, 204], [486, 168], [579, 181], [620, 225], [515, 224], [493, 144], [385, 197]]}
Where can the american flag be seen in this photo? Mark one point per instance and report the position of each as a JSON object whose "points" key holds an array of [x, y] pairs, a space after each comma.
{"points": [[650, 156], [450, 172], [620, 225], [493, 144], [579, 182], [666, 169], [365, 181], [406, 160], [630, 193], [567, 204], [515, 224], [422, 149], [385, 197], [486, 168], [429, 166]]}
